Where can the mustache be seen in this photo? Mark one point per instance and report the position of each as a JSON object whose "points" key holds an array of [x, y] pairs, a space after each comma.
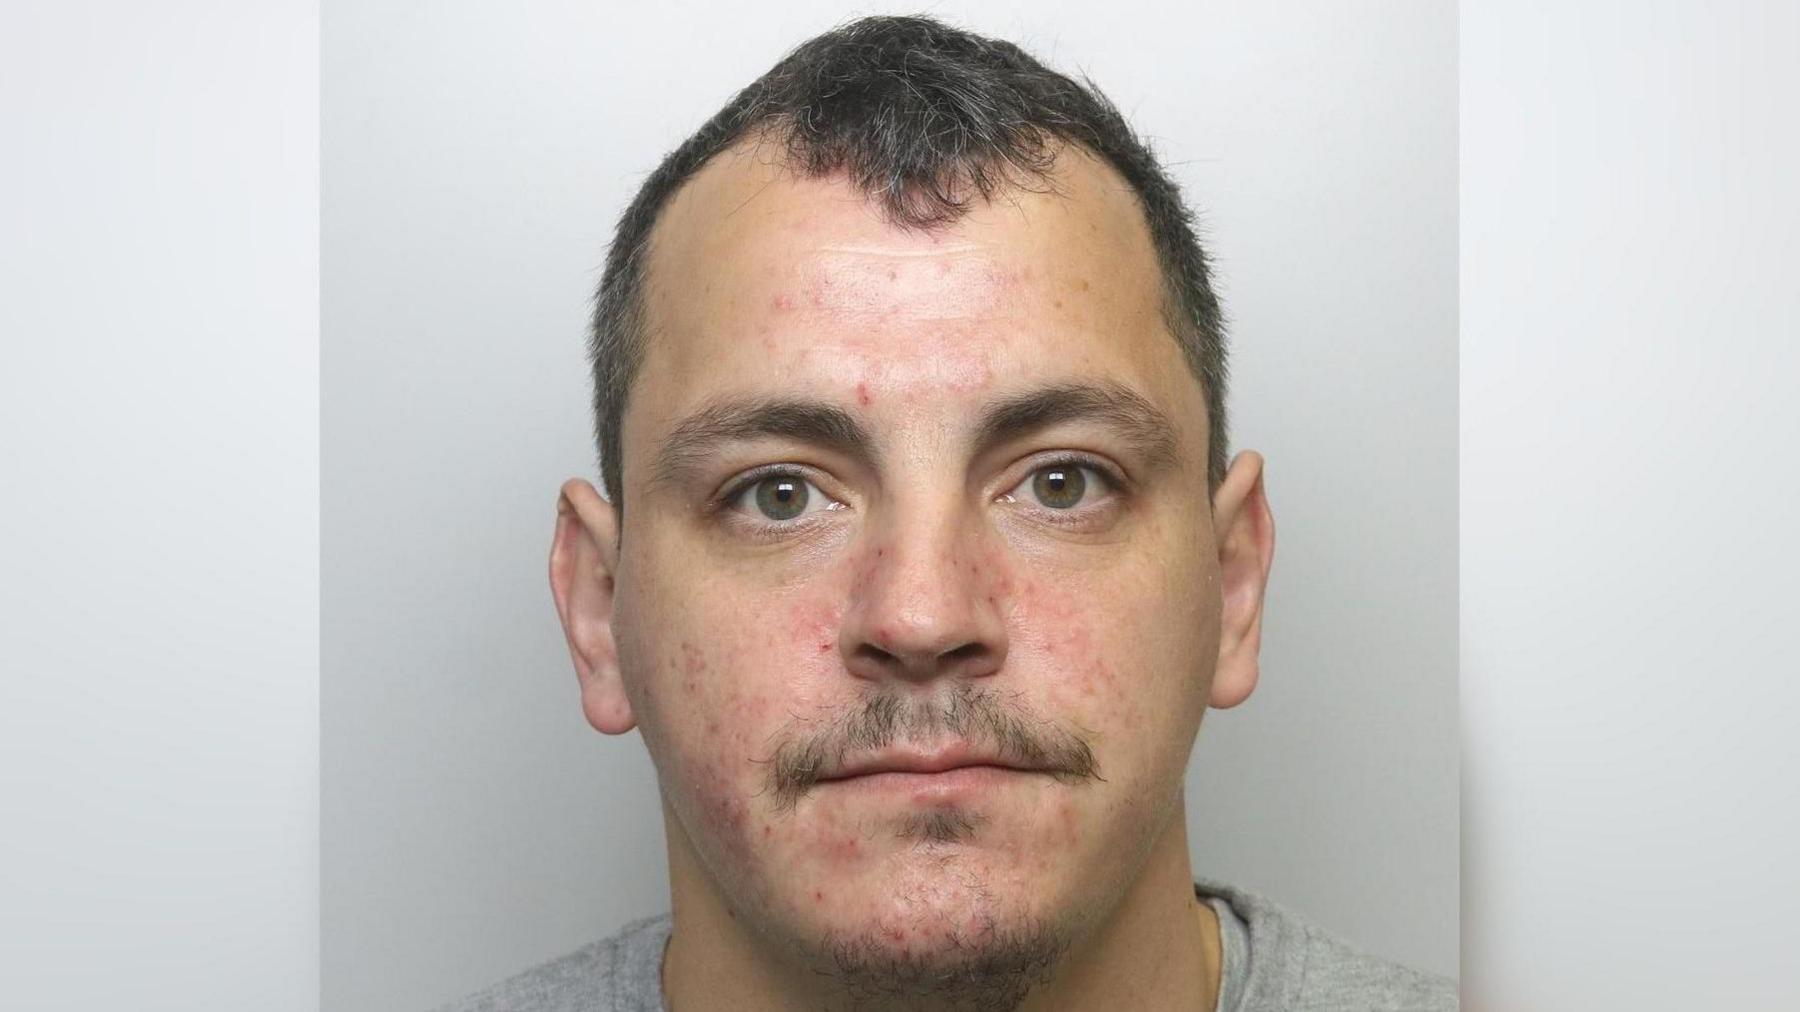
{"points": [[1002, 725]]}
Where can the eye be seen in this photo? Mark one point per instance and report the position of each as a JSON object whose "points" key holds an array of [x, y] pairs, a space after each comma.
{"points": [[780, 497], [1061, 486]]}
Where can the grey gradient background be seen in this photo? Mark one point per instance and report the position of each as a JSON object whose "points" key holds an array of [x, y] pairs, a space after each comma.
{"points": [[474, 160]]}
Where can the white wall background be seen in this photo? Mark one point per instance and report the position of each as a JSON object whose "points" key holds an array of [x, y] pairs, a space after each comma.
{"points": [[474, 160], [159, 526]]}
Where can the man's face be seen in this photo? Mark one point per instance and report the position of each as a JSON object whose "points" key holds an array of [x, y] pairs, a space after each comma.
{"points": [[896, 501]]}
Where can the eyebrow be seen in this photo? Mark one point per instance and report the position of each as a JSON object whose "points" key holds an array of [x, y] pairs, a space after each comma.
{"points": [[1145, 428], [804, 421]]}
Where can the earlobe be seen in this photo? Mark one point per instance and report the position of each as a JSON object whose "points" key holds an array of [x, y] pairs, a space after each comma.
{"points": [[1245, 534], [583, 560]]}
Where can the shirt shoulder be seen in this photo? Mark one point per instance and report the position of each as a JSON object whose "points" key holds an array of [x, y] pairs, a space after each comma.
{"points": [[618, 974], [1295, 966]]}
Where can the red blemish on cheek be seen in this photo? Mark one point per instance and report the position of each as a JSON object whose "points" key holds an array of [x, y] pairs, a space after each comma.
{"points": [[692, 660], [818, 896], [825, 647], [782, 302], [862, 394]]}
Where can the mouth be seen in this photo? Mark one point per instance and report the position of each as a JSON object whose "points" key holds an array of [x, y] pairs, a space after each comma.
{"points": [[953, 765]]}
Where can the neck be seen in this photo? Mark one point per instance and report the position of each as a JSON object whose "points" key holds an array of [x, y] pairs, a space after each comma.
{"points": [[1158, 950]]}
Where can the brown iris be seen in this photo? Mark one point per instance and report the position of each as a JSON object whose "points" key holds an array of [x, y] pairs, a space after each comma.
{"points": [[1059, 487], [781, 497]]}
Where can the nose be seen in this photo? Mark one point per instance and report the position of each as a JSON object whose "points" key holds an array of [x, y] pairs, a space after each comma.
{"points": [[926, 603]]}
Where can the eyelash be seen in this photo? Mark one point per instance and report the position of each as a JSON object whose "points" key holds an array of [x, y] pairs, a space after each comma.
{"points": [[1114, 482], [764, 527]]}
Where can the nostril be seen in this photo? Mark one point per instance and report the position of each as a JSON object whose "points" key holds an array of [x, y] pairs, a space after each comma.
{"points": [[964, 652], [875, 653]]}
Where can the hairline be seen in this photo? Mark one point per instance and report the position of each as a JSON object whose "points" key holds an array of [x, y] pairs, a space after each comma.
{"points": [[641, 331]]}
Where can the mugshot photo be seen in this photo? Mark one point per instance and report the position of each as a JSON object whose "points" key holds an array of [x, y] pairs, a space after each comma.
{"points": [[868, 508]]}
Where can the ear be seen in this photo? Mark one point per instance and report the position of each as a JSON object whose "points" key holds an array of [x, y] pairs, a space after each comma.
{"points": [[1245, 533], [583, 558]]}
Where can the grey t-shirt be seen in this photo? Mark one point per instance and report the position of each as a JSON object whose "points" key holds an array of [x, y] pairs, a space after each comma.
{"points": [[1273, 962]]}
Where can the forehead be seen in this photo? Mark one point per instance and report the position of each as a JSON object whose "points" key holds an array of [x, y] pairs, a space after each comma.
{"points": [[763, 282]]}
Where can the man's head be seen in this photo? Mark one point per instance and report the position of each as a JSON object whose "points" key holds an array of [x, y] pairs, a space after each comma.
{"points": [[927, 121], [910, 384]]}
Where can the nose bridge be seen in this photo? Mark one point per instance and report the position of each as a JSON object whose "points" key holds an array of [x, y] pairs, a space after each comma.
{"points": [[922, 603]]}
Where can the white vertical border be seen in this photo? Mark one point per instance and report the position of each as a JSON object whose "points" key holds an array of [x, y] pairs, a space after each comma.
{"points": [[159, 391], [1630, 310]]}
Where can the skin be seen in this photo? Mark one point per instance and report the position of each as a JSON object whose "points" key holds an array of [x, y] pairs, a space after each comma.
{"points": [[931, 565]]}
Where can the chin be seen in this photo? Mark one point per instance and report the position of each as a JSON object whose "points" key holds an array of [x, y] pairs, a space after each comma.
{"points": [[917, 902], [952, 949]]}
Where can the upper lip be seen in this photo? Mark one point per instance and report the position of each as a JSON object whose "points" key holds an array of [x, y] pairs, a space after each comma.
{"points": [[919, 761]]}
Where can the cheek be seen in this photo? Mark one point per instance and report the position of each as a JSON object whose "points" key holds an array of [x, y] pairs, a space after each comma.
{"points": [[1080, 649], [720, 691], [1124, 653]]}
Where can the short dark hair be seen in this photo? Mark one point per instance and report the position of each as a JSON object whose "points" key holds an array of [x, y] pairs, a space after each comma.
{"points": [[922, 116]]}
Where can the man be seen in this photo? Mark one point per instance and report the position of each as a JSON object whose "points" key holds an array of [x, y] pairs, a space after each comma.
{"points": [[922, 558]]}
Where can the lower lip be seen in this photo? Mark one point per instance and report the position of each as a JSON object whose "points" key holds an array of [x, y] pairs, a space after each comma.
{"points": [[930, 786]]}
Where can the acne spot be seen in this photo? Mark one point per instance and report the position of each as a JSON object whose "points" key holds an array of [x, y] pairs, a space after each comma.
{"points": [[825, 647], [893, 275], [818, 896], [782, 302], [862, 394], [692, 660]]}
